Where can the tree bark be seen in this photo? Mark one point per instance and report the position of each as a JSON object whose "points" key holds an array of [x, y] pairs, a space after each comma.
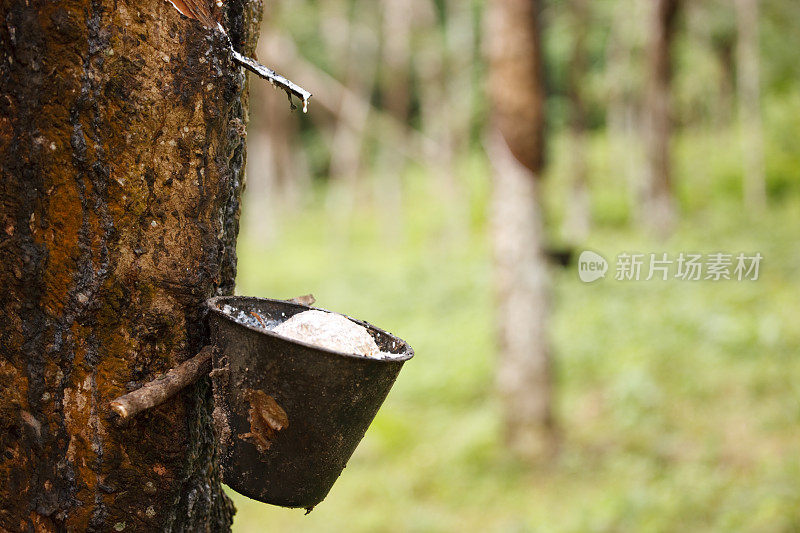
{"points": [[657, 203], [121, 156], [516, 149], [748, 84]]}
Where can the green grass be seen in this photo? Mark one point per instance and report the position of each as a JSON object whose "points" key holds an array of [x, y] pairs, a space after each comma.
{"points": [[679, 402]]}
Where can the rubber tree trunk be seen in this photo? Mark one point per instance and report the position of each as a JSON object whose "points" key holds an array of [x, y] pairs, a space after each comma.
{"points": [[750, 123], [121, 156], [516, 148], [657, 203]]}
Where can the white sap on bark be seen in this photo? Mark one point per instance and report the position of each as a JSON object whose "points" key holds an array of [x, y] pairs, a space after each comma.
{"points": [[522, 293]]}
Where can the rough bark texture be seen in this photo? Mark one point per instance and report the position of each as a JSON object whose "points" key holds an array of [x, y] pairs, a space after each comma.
{"points": [[121, 156], [748, 84], [657, 203], [522, 285]]}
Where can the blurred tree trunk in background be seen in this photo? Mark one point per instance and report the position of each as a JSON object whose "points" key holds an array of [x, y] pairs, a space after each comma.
{"points": [[462, 62], [712, 26], [431, 66], [395, 88], [657, 203], [121, 157], [347, 142], [284, 169], [516, 149], [578, 208], [748, 81], [724, 105], [357, 60], [395, 81], [278, 177], [624, 107]]}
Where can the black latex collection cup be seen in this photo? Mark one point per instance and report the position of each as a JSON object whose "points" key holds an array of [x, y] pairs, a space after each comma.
{"points": [[288, 415]]}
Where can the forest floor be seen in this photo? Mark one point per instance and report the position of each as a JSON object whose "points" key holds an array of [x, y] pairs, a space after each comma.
{"points": [[678, 401]]}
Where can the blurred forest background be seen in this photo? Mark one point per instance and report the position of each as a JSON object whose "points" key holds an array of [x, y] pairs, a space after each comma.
{"points": [[667, 127]]}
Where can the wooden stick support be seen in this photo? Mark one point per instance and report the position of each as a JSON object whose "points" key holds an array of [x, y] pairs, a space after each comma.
{"points": [[161, 389]]}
